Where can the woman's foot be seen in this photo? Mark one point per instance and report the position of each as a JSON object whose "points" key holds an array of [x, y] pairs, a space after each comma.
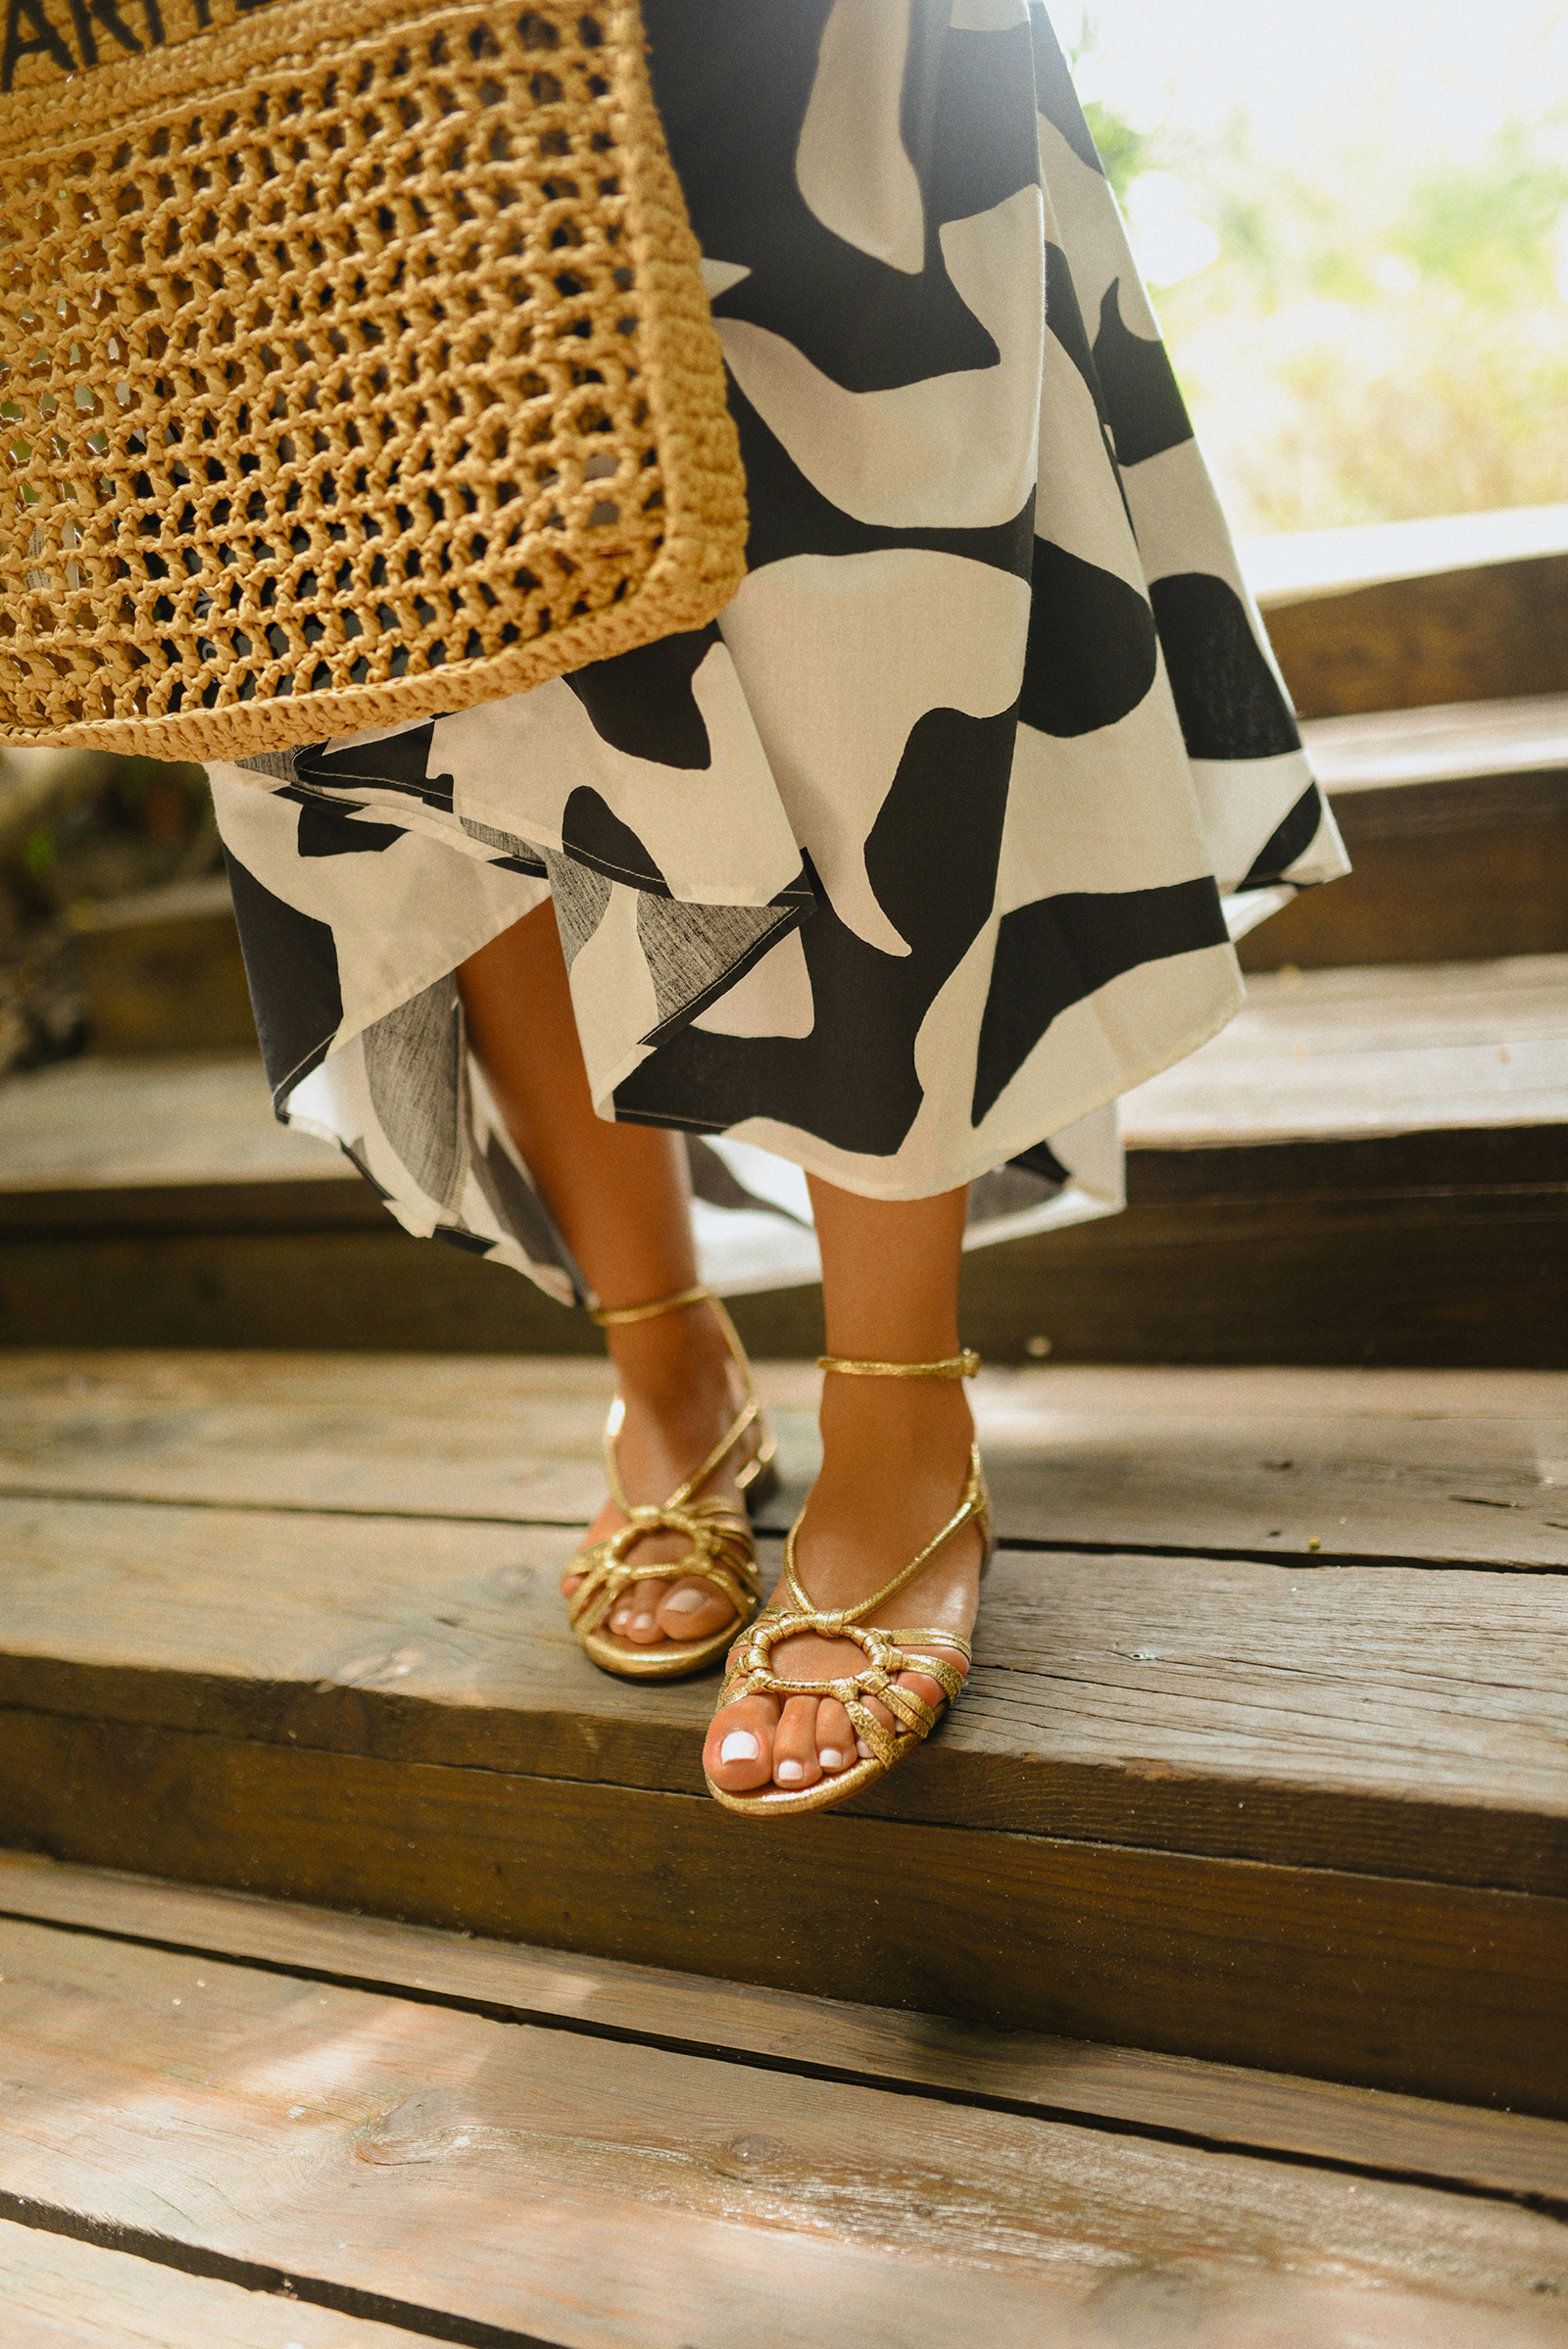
{"points": [[681, 1390], [896, 1457]]}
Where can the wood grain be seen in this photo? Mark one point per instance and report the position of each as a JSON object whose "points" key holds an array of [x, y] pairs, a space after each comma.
{"points": [[1473, 884], [595, 2193], [1368, 1167], [61, 2294], [1384, 1719], [1423, 1988], [1485, 743], [1509, 2153], [1489, 632], [1334, 1054], [1454, 1466], [1427, 1277]]}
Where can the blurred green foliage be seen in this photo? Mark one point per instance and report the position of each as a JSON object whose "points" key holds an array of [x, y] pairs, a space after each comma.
{"points": [[1384, 338]]}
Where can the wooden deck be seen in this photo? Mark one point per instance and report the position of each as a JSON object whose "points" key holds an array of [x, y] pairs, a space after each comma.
{"points": [[1367, 1165], [1261, 1763], [344, 2135]]}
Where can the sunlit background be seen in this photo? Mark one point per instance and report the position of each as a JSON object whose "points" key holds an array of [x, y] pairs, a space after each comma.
{"points": [[1354, 221]]}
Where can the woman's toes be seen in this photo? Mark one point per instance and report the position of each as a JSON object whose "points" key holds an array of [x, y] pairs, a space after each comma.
{"points": [[739, 1752], [835, 1735], [795, 1762], [636, 1616], [568, 1584], [693, 1611]]}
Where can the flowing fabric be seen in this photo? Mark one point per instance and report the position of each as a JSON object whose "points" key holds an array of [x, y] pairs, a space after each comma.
{"points": [[932, 845]]}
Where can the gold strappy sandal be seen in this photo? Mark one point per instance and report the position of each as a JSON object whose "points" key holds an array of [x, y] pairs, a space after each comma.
{"points": [[888, 1654], [722, 1550]]}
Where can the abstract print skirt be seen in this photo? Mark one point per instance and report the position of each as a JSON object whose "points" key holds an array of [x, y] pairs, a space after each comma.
{"points": [[932, 845]]}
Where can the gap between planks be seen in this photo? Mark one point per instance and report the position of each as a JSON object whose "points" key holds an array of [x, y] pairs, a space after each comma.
{"points": [[1219, 2108], [496, 2184]]}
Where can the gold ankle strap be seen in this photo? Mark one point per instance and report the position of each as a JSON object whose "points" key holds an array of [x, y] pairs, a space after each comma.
{"points": [[612, 1317], [955, 1366]]}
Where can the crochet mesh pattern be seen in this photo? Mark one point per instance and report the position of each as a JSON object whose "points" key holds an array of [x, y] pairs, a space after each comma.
{"points": [[354, 365]]}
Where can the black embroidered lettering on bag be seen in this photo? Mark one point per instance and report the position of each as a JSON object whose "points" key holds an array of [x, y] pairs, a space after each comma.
{"points": [[101, 32]]}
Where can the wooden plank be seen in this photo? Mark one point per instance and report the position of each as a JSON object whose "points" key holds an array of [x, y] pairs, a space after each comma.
{"points": [[63, 2294], [1424, 1988], [937, 2055], [187, 1119], [1385, 1719], [1456, 742], [1490, 633], [1354, 1843], [1286, 567], [1447, 872], [1452, 1466], [1474, 1280], [589, 2192], [1326, 1055], [1330, 1053], [162, 971]]}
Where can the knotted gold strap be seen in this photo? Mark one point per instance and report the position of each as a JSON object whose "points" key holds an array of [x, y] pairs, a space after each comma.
{"points": [[888, 1654], [951, 1367], [722, 1552]]}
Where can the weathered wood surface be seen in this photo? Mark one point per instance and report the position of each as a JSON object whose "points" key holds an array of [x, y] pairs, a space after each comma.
{"points": [[58, 2293], [1277, 1211], [1442, 872], [162, 971], [1493, 631], [1457, 741], [1449, 1466], [1335, 1799], [931, 2054], [1336, 1053], [1337, 1273], [1290, 567], [577, 2190], [1332, 1053], [1389, 1719], [191, 1118]]}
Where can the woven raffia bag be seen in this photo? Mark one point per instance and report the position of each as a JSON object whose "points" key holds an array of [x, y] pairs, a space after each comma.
{"points": [[356, 366]]}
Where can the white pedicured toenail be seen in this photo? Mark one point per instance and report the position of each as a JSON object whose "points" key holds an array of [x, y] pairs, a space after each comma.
{"points": [[863, 1750], [740, 1747], [790, 1773], [831, 1758], [686, 1602], [619, 1620], [645, 1623]]}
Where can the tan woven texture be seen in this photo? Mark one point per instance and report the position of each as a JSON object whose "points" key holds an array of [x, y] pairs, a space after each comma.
{"points": [[356, 366]]}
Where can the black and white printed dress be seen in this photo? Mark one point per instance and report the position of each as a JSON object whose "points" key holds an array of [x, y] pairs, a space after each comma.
{"points": [[920, 856]]}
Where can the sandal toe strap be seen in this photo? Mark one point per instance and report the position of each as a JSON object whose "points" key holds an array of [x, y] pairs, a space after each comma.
{"points": [[751, 1674], [722, 1555]]}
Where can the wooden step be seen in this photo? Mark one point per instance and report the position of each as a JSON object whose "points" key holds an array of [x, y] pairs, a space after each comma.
{"points": [[1260, 1789], [162, 971], [236, 2111], [1461, 608], [1457, 823], [1366, 1166]]}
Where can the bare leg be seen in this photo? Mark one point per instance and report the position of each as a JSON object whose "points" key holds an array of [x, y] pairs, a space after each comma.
{"points": [[621, 1197], [894, 1457]]}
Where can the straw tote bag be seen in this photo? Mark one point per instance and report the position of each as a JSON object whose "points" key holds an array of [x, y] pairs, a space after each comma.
{"points": [[356, 367]]}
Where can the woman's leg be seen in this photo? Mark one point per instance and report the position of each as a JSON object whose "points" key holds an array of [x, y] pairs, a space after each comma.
{"points": [[621, 1197], [895, 1459]]}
